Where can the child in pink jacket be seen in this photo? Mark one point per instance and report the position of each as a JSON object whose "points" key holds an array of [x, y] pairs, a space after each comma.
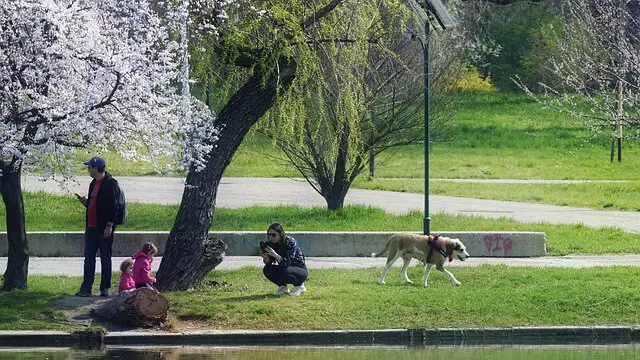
{"points": [[142, 266], [126, 279]]}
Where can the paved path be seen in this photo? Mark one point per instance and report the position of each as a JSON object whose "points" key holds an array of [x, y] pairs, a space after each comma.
{"points": [[72, 266], [243, 192]]}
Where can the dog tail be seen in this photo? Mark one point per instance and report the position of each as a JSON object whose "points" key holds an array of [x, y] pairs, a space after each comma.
{"points": [[386, 247]]}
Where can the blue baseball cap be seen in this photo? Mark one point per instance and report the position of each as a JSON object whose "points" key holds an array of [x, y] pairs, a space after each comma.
{"points": [[96, 162]]}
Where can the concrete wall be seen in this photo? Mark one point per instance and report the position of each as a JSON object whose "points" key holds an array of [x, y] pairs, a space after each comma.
{"points": [[495, 244]]}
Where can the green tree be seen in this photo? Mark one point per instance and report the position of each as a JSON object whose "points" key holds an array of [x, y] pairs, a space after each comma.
{"points": [[269, 45], [518, 39], [366, 100]]}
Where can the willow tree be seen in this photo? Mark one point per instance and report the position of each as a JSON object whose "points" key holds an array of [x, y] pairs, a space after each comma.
{"points": [[599, 66], [259, 48], [366, 99]]}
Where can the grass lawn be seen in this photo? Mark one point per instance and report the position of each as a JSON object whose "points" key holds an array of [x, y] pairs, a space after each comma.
{"points": [[595, 195], [494, 136], [352, 299], [501, 136], [61, 213]]}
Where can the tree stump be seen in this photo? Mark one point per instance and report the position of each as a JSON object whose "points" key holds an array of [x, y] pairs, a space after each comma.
{"points": [[140, 307]]}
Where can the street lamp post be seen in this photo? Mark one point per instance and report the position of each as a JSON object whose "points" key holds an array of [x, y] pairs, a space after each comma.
{"points": [[427, 134], [434, 9]]}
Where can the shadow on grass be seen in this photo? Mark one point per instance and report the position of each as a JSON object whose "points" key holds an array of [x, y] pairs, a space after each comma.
{"points": [[79, 311], [245, 298], [24, 310]]}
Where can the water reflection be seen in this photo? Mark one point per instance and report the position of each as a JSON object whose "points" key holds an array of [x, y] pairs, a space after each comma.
{"points": [[629, 351]]}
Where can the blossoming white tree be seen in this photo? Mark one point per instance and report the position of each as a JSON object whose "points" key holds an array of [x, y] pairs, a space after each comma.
{"points": [[75, 73]]}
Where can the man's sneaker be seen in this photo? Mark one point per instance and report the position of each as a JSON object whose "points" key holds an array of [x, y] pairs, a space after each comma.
{"points": [[83, 294], [104, 293], [283, 289], [297, 290]]}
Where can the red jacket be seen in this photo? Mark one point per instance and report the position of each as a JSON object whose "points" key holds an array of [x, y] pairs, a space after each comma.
{"points": [[126, 282], [142, 268]]}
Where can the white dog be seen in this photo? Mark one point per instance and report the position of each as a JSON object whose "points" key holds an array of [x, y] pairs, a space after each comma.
{"points": [[430, 250]]}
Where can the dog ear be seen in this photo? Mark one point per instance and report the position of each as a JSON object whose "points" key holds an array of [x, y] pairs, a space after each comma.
{"points": [[449, 248]]}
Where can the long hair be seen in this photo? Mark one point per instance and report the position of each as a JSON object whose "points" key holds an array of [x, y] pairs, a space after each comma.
{"points": [[278, 228]]}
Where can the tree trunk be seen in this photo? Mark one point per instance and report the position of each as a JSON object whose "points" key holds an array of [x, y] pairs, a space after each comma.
{"points": [[190, 254], [335, 191], [140, 307], [15, 276], [336, 195], [613, 148]]}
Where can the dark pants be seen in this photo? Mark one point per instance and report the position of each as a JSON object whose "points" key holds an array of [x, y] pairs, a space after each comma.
{"points": [[281, 275], [93, 241]]}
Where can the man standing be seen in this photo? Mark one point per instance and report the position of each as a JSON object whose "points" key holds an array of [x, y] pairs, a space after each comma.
{"points": [[100, 225]]}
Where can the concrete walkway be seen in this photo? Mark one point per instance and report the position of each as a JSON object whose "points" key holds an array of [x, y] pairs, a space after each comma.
{"points": [[72, 266], [243, 192]]}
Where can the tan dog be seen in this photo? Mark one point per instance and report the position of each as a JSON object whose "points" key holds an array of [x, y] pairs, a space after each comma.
{"points": [[408, 246]]}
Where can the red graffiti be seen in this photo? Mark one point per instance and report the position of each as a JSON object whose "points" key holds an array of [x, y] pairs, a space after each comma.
{"points": [[498, 242]]}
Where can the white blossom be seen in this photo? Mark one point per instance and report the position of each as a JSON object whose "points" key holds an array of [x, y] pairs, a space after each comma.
{"points": [[75, 73]]}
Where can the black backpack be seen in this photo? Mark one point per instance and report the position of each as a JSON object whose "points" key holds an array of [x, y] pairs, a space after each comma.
{"points": [[121, 204]]}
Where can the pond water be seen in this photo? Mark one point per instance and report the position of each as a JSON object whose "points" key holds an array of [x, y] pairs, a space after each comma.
{"points": [[582, 352]]}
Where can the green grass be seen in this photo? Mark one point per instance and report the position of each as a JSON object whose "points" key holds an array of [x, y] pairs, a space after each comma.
{"points": [[62, 213], [352, 299], [497, 136], [30, 310], [600, 196]]}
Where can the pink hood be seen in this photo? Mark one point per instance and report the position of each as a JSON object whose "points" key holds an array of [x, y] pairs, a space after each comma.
{"points": [[142, 268]]}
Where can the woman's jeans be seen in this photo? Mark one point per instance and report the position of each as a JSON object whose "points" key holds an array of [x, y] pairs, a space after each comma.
{"points": [[282, 275], [93, 241]]}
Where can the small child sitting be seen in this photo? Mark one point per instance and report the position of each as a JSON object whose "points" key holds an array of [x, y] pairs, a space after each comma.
{"points": [[142, 266], [126, 279]]}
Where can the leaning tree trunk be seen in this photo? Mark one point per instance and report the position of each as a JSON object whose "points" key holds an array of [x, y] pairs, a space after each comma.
{"points": [[190, 254], [15, 276]]}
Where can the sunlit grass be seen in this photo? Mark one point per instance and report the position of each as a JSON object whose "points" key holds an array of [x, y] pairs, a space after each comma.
{"points": [[490, 296], [352, 299], [595, 195], [62, 213], [496, 135]]}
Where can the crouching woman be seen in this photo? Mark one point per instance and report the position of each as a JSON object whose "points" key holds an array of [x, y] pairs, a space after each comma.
{"points": [[284, 262]]}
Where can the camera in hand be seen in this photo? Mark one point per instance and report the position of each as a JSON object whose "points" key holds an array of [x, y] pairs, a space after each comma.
{"points": [[263, 246]]}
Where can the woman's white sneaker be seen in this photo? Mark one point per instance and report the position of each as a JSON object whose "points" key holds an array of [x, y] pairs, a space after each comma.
{"points": [[297, 290], [283, 289]]}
